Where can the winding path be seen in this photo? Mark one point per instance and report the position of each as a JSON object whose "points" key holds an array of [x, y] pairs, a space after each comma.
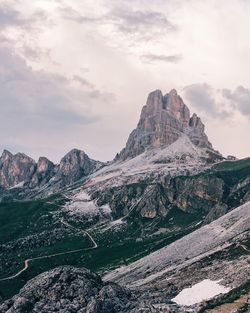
{"points": [[26, 262], [244, 247]]}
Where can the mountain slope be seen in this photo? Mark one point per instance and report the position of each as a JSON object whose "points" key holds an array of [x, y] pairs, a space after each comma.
{"points": [[163, 120], [149, 205], [218, 251]]}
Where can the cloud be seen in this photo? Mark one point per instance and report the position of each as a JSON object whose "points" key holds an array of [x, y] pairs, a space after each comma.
{"points": [[138, 21], [42, 104], [10, 17], [69, 13], [83, 82], [135, 23], [240, 99], [202, 97], [150, 58]]}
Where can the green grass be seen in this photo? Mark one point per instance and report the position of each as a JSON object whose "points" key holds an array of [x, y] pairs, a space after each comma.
{"points": [[232, 165], [114, 247], [21, 218]]}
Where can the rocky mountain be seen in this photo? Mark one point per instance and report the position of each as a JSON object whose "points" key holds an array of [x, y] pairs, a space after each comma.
{"points": [[45, 170], [217, 252], [166, 140], [15, 169], [21, 171], [73, 166], [164, 119], [169, 215], [68, 289]]}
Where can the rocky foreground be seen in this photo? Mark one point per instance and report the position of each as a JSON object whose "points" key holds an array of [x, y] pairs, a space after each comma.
{"points": [[216, 254], [68, 289]]}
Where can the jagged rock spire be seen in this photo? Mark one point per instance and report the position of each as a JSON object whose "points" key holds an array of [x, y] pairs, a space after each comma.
{"points": [[163, 120]]}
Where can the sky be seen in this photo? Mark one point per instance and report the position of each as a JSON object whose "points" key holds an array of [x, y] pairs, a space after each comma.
{"points": [[75, 74]]}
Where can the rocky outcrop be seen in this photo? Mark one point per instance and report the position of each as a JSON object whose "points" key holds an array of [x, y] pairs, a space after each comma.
{"points": [[163, 120], [45, 170], [68, 289], [205, 245], [192, 196], [20, 170], [73, 166], [15, 169], [196, 132]]}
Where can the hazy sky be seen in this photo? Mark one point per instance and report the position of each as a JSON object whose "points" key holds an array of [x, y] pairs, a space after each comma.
{"points": [[76, 73]]}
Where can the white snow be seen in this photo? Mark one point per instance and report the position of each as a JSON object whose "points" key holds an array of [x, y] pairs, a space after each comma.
{"points": [[204, 290]]}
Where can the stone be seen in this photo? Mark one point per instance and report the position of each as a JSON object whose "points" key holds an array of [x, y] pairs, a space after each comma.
{"points": [[69, 289], [15, 169], [163, 120], [44, 172], [73, 166], [20, 170]]}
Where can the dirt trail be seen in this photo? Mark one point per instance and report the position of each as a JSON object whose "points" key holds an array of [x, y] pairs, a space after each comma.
{"points": [[27, 262]]}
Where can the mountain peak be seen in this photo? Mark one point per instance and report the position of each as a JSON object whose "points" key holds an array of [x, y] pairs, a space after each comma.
{"points": [[163, 120], [6, 155], [173, 92]]}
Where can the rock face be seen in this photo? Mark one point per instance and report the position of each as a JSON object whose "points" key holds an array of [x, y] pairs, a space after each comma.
{"points": [[232, 229], [68, 289], [163, 120], [45, 170], [15, 169], [73, 166], [18, 170]]}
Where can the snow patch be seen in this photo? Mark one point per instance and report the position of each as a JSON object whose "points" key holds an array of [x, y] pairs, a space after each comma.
{"points": [[204, 290], [20, 185]]}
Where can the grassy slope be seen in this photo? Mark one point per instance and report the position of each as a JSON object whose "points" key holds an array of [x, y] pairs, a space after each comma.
{"points": [[116, 246], [20, 219]]}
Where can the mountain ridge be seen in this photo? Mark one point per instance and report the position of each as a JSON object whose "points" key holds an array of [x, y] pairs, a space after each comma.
{"points": [[154, 206], [163, 121], [19, 168]]}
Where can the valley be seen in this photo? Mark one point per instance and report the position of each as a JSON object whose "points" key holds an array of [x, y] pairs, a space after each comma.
{"points": [[169, 213]]}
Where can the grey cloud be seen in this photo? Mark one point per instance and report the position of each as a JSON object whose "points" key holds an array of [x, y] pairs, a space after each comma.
{"points": [[130, 21], [84, 82], [161, 58], [201, 98], [142, 24], [37, 101], [240, 99], [10, 17], [69, 13]]}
